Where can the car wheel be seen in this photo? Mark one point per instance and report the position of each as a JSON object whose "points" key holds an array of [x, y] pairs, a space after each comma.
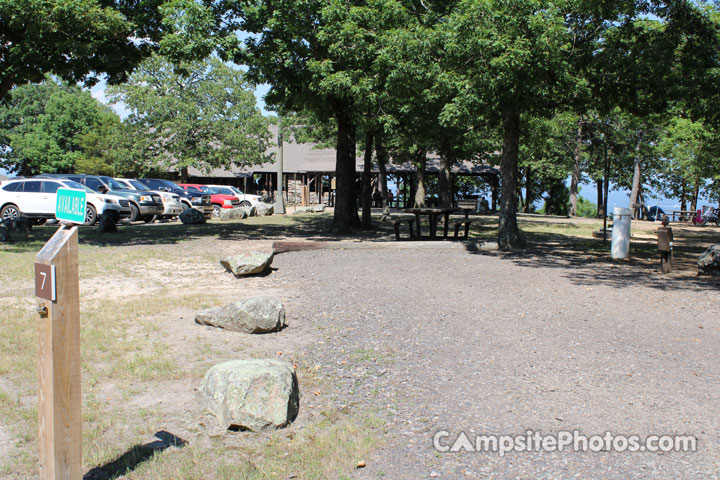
{"points": [[9, 212], [134, 212], [216, 210], [90, 215], [245, 203], [148, 218]]}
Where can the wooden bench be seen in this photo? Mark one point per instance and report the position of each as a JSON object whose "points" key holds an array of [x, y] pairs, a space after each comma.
{"points": [[397, 219], [458, 221]]}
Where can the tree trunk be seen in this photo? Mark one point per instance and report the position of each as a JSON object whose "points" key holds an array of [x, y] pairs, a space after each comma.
{"points": [[601, 199], [184, 176], [508, 233], [683, 195], [528, 189], [382, 159], [420, 190], [445, 180], [637, 172], [521, 200], [346, 212], [366, 187], [575, 179], [695, 195]]}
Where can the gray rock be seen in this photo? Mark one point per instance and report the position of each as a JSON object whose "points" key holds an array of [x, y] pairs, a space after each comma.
{"points": [[237, 213], [709, 261], [264, 209], [254, 315], [107, 222], [319, 208], [304, 209], [5, 234], [192, 216], [251, 211], [247, 263], [487, 245], [17, 228], [251, 394]]}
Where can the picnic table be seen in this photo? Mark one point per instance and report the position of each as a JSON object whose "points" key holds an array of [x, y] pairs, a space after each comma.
{"points": [[434, 214]]}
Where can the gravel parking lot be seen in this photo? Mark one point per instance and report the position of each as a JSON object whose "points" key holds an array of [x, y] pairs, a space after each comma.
{"points": [[446, 339]]}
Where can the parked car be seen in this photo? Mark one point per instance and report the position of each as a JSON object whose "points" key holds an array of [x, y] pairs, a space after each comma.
{"points": [[219, 200], [37, 198], [191, 199], [246, 200], [144, 205], [172, 206]]}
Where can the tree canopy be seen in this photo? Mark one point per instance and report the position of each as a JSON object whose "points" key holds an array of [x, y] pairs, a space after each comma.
{"points": [[77, 40], [202, 114], [43, 127]]}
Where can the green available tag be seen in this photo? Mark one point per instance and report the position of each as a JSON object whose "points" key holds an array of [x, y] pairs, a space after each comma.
{"points": [[71, 205]]}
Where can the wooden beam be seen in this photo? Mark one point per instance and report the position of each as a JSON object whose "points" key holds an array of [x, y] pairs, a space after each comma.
{"points": [[281, 246], [59, 401]]}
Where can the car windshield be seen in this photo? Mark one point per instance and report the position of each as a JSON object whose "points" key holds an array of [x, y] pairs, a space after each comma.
{"points": [[195, 189], [77, 186], [237, 190], [223, 190], [174, 187], [115, 185], [139, 185]]}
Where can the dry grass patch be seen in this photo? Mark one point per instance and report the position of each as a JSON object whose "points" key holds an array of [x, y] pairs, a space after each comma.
{"points": [[329, 447]]}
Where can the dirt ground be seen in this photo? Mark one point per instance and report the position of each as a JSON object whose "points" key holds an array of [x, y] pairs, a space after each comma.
{"points": [[427, 337]]}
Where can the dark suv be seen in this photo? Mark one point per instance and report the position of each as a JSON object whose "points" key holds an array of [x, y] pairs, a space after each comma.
{"points": [[197, 200], [144, 205]]}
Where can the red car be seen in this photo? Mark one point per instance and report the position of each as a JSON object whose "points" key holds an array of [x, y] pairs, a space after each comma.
{"points": [[218, 200]]}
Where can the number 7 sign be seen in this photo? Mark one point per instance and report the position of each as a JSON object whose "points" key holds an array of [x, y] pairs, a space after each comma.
{"points": [[45, 286]]}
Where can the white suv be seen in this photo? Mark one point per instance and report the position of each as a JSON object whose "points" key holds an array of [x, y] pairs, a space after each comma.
{"points": [[37, 197], [246, 200]]}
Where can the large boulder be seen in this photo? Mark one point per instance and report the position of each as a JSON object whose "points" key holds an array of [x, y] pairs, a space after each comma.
{"points": [[237, 213], [191, 216], [5, 234], [709, 261], [15, 228], [251, 394], [264, 209], [251, 211], [254, 315], [319, 208], [249, 263], [107, 223], [304, 209]]}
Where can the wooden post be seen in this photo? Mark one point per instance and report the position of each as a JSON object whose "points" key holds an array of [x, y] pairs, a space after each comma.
{"points": [[304, 196], [321, 195], [59, 403]]}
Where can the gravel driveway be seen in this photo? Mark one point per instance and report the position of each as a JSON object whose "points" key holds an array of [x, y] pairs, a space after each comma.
{"points": [[440, 338]]}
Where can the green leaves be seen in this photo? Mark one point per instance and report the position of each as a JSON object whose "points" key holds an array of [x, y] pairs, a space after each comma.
{"points": [[75, 39], [204, 117], [42, 127]]}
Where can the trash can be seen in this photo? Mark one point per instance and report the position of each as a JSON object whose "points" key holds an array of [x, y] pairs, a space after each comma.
{"points": [[620, 247]]}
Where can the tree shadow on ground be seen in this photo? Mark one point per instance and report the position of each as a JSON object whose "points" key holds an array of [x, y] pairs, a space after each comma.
{"points": [[130, 460], [309, 227], [588, 262]]}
